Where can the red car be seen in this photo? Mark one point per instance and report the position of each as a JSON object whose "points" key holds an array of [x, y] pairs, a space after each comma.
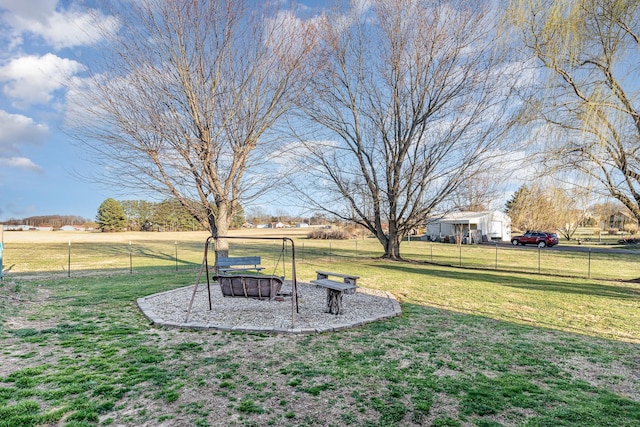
{"points": [[536, 238]]}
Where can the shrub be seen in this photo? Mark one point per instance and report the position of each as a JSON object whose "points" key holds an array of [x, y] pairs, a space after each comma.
{"points": [[329, 234]]}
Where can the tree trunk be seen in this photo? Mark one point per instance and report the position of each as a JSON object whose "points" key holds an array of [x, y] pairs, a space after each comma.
{"points": [[222, 228], [392, 250], [392, 243]]}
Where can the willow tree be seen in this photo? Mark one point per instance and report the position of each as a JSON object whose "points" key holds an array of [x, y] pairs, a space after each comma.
{"points": [[182, 100], [589, 102], [411, 98]]}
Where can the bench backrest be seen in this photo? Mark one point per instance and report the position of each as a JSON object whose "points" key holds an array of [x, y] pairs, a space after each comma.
{"points": [[244, 260]]}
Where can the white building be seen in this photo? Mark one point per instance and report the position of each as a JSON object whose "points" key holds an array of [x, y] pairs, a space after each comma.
{"points": [[473, 227]]}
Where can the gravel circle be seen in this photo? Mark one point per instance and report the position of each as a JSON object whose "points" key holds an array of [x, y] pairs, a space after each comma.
{"points": [[252, 315]]}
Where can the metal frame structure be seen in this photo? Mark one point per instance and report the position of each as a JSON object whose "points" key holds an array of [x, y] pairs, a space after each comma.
{"points": [[205, 267]]}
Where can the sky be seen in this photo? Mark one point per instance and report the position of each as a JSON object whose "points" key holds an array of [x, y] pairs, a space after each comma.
{"points": [[42, 46], [39, 164]]}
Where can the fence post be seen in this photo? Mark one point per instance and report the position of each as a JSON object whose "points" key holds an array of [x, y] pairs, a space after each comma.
{"points": [[1, 249], [69, 260], [589, 268], [356, 248], [460, 255], [330, 252], [496, 255], [176, 244], [538, 259], [130, 259]]}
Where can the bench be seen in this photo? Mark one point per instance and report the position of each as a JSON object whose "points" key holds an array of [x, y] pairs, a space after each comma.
{"points": [[246, 263], [335, 289], [346, 278]]}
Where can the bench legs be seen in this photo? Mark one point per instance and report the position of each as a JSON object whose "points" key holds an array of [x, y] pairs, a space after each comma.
{"points": [[334, 302]]}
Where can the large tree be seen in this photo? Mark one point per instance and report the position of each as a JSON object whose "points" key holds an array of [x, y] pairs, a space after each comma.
{"points": [[410, 99], [138, 212], [589, 104], [111, 216], [184, 97]]}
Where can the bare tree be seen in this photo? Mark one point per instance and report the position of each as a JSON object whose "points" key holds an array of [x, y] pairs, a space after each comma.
{"points": [[184, 98], [590, 50], [480, 192], [569, 208], [411, 98], [533, 208], [547, 207]]}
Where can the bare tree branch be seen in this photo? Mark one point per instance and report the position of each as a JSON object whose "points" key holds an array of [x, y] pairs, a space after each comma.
{"points": [[185, 97], [410, 100]]}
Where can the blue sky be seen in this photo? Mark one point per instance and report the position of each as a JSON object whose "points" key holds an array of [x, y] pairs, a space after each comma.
{"points": [[40, 40], [43, 44]]}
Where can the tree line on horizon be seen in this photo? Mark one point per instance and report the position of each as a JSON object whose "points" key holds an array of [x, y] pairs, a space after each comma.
{"points": [[54, 221], [143, 215]]}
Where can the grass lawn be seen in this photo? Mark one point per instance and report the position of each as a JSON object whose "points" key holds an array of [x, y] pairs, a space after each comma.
{"points": [[472, 348]]}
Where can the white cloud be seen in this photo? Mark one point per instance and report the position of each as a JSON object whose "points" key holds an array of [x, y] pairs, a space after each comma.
{"points": [[33, 79], [16, 129], [20, 162], [58, 28], [70, 29]]}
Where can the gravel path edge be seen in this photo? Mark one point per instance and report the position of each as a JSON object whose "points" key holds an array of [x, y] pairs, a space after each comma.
{"points": [[169, 309]]}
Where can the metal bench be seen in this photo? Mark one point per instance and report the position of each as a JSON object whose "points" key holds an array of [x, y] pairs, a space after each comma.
{"points": [[335, 289], [245, 263]]}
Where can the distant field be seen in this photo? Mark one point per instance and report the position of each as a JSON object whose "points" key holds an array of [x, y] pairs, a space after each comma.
{"points": [[125, 237], [65, 253], [61, 252]]}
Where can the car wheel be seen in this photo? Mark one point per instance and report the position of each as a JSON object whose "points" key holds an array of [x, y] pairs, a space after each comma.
{"points": [[514, 242], [541, 244]]}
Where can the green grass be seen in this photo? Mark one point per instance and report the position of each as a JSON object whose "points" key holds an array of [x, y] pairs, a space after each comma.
{"points": [[82, 256], [473, 347], [85, 256]]}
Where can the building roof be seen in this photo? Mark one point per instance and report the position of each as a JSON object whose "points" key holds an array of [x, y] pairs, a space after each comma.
{"points": [[465, 217]]}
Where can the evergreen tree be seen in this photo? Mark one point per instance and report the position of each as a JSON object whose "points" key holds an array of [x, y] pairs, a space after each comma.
{"points": [[111, 216], [139, 213], [516, 208], [238, 219], [172, 216]]}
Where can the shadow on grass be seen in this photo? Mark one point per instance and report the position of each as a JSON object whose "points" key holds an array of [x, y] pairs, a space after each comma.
{"points": [[166, 254], [531, 282]]}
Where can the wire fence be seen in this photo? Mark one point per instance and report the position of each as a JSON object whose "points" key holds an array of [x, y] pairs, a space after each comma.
{"points": [[71, 258]]}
